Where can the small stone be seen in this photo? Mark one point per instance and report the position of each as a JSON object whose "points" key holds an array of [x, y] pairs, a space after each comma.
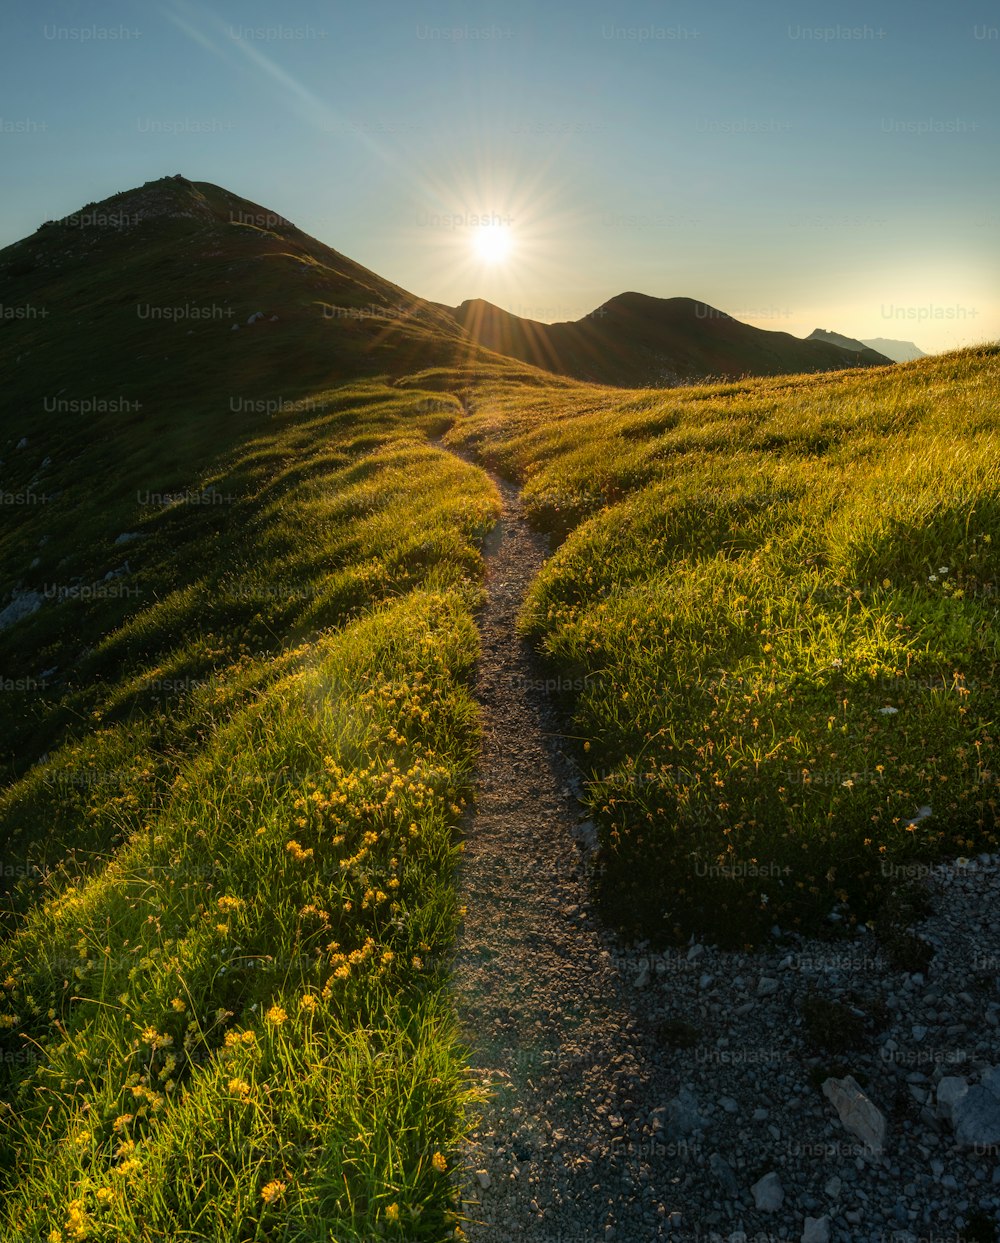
{"points": [[766, 985], [816, 1230], [768, 1193], [483, 1178], [976, 1118], [950, 1091], [856, 1112], [724, 1175], [833, 1187], [682, 1113]]}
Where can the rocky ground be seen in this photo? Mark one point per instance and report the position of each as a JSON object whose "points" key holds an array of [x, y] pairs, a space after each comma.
{"points": [[812, 1090]]}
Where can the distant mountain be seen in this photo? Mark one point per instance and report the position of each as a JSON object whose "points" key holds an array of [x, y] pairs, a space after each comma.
{"points": [[836, 338], [897, 351], [638, 340]]}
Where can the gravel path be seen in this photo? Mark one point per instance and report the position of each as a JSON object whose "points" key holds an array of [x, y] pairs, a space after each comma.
{"points": [[554, 1035], [638, 1096]]}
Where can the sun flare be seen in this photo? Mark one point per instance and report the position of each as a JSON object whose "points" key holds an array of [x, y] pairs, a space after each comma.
{"points": [[492, 243]]}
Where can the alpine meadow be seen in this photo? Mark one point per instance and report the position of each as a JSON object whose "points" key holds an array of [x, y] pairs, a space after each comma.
{"points": [[513, 762]]}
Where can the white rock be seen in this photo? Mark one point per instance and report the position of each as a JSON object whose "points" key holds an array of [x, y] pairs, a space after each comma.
{"points": [[768, 1193], [483, 1178], [856, 1112]]}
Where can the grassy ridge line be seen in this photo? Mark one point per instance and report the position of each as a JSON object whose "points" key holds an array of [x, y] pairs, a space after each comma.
{"points": [[777, 600], [232, 1026]]}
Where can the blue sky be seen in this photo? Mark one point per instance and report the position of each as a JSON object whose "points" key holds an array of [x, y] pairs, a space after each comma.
{"points": [[796, 164]]}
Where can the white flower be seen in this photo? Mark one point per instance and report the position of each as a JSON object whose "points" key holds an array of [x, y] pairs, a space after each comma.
{"points": [[932, 578], [888, 711], [836, 663], [942, 569]]}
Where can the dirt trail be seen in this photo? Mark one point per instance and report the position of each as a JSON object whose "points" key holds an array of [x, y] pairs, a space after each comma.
{"points": [[539, 987]]}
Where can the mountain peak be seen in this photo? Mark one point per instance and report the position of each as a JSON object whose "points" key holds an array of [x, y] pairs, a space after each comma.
{"points": [[173, 197]]}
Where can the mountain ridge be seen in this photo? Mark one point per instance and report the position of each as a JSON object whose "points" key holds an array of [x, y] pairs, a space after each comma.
{"points": [[896, 351], [647, 341], [233, 295]]}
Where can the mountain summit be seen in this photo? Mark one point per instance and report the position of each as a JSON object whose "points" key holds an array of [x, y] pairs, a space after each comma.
{"points": [[178, 284]]}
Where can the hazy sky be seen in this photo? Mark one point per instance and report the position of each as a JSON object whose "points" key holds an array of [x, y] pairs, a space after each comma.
{"points": [[796, 164]]}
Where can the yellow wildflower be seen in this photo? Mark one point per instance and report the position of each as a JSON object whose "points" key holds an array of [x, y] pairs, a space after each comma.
{"points": [[272, 1191], [76, 1220]]}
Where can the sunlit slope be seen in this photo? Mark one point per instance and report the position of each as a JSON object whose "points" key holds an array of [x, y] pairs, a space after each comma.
{"points": [[230, 891], [780, 600]]}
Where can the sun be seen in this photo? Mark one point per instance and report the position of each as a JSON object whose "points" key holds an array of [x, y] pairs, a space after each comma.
{"points": [[492, 243]]}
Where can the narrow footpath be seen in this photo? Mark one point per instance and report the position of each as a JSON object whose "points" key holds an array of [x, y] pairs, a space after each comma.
{"points": [[563, 1149]]}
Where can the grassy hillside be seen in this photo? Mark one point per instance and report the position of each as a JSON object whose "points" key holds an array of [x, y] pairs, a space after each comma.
{"points": [[145, 298], [237, 637], [230, 877], [780, 598]]}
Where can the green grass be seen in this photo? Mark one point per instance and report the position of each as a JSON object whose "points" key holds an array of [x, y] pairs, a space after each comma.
{"points": [[230, 809], [780, 599], [223, 1009]]}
